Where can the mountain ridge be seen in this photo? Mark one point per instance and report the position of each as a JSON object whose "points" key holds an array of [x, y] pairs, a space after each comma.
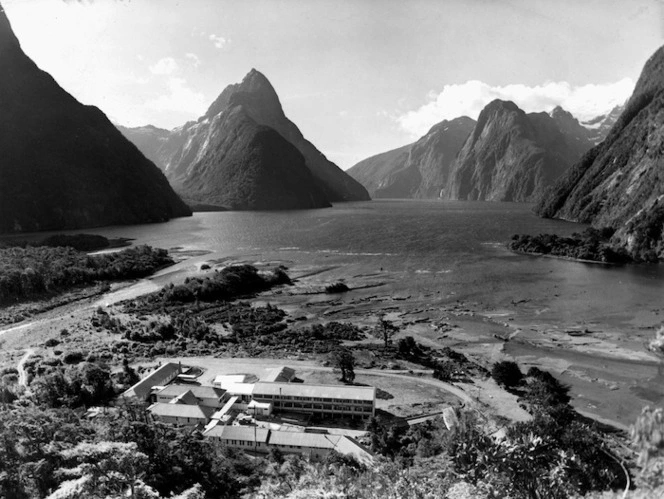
{"points": [[65, 165], [259, 102], [618, 182], [417, 170]]}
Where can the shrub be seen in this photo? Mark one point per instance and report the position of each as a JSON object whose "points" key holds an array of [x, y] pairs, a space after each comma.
{"points": [[507, 373], [73, 357], [337, 287], [51, 342]]}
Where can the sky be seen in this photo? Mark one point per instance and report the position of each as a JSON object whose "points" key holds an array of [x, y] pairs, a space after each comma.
{"points": [[358, 77]]}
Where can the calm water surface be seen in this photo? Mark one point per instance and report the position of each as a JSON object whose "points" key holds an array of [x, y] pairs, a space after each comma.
{"points": [[457, 247]]}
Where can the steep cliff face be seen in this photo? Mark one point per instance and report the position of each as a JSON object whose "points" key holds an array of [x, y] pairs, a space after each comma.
{"points": [[418, 170], [620, 182], [63, 165], [241, 165], [514, 156]]}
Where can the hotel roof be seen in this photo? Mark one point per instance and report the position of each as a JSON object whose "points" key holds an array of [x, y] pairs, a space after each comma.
{"points": [[281, 374], [143, 388], [180, 410], [197, 390], [340, 392], [244, 433], [240, 388], [300, 439]]}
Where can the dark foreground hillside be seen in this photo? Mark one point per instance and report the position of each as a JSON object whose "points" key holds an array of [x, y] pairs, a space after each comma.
{"points": [[64, 165]]}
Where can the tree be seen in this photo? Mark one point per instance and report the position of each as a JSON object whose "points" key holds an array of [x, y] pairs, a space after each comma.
{"points": [[344, 362], [648, 438], [507, 373], [104, 469], [385, 329], [129, 375], [444, 370]]}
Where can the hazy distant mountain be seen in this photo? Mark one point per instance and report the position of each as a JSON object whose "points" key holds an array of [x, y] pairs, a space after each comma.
{"points": [[619, 183], [149, 139], [418, 170], [63, 165], [600, 126], [186, 153], [514, 156]]}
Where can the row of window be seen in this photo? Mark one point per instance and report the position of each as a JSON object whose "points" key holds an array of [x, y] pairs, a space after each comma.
{"points": [[314, 399], [319, 407], [243, 442]]}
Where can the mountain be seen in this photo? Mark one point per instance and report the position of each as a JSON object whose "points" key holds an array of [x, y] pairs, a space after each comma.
{"points": [[599, 127], [149, 139], [241, 165], [260, 101], [514, 156], [230, 159], [418, 170], [619, 183], [64, 165], [180, 152]]}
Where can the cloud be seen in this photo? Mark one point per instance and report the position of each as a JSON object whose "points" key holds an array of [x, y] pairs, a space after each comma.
{"points": [[195, 60], [165, 66], [468, 99], [219, 41], [179, 98]]}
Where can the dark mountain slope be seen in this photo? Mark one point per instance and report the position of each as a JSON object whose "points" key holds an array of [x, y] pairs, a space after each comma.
{"points": [[261, 103], [513, 156], [377, 173], [418, 170], [241, 165], [620, 182], [63, 165]]}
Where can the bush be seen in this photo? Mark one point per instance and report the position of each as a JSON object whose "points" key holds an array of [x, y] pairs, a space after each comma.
{"points": [[73, 357], [51, 342], [337, 287], [507, 373]]}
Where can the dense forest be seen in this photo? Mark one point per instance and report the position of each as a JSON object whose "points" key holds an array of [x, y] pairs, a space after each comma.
{"points": [[51, 447], [590, 245], [33, 272]]}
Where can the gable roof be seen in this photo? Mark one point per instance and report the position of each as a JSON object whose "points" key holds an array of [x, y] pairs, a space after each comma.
{"points": [[158, 377], [197, 390], [281, 374], [244, 433], [184, 398], [301, 439], [180, 410]]}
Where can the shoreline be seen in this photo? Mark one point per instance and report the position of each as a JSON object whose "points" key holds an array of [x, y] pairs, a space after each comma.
{"points": [[480, 331], [566, 258]]}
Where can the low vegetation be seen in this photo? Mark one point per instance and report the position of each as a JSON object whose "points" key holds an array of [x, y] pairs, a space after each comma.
{"points": [[591, 245], [36, 272], [80, 242]]}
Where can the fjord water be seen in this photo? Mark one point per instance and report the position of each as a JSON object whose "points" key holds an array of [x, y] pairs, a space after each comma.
{"points": [[457, 248]]}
